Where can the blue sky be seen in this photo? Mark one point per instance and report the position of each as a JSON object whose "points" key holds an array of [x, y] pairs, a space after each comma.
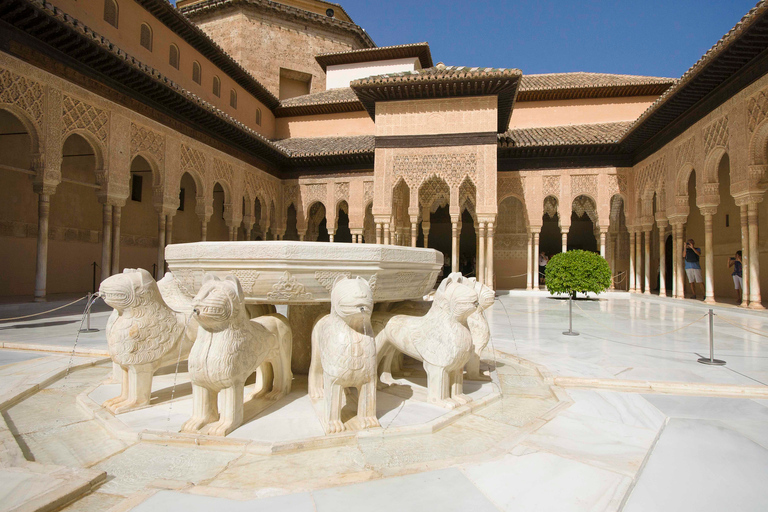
{"points": [[651, 37]]}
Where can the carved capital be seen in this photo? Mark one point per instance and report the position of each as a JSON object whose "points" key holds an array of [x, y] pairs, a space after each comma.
{"points": [[708, 210]]}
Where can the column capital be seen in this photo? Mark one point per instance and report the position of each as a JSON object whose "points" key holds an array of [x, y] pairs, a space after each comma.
{"points": [[677, 220], [708, 211], [747, 198]]}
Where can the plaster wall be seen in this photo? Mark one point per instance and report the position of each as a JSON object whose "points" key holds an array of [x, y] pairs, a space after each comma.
{"points": [[530, 114], [342, 74], [325, 125], [437, 116], [127, 37], [263, 44]]}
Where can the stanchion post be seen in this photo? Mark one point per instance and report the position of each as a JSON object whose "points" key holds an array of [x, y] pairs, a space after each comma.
{"points": [[88, 299], [94, 277], [711, 359], [570, 331]]}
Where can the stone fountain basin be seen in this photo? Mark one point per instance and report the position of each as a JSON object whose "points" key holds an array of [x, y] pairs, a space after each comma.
{"points": [[287, 272]]}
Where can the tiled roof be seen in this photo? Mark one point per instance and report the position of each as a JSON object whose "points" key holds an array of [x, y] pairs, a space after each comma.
{"points": [[285, 11], [331, 101], [570, 135], [552, 86], [420, 50], [437, 73], [327, 146]]}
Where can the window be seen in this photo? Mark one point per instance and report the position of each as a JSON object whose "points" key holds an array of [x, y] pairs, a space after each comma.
{"points": [[146, 36], [258, 116], [181, 200], [232, 98], [217, 86], [196, 73], [136, 187], [173, 58], [110, 12]]}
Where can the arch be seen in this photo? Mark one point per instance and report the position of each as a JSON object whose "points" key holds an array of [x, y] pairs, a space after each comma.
{"points": [[309, 206], [22, 117], [97, 146], [145, 36], [681, 180], [226, 188], [157, 174], [291, 223], [343, 233], [233, 98], [550, 206], [216, 86], [317, 223], [111, 12], [712, 163], [197, 73], [174, 56], [434, 190], [581, 233], [758, 145], [258, 116]]}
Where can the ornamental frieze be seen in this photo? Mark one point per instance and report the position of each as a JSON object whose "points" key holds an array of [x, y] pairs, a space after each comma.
{"points": [[24, 93]]}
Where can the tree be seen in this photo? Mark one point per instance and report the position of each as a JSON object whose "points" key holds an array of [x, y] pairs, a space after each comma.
{"points": [[577, 271]]}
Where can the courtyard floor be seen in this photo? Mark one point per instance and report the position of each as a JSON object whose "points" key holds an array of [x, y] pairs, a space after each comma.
{"points": [[621, 417]]}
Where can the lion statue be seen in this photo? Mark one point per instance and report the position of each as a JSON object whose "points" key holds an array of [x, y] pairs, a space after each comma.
{"points": [[440, 339], [143, 335], [478, 326], [229, 348], [344, 354]]}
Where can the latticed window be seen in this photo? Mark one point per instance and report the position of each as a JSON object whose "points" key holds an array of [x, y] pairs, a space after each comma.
{"points": [[217, 86], [232, 98], [110, 12], [196, 72], [173, 58], [146, 36], [258, 116]]}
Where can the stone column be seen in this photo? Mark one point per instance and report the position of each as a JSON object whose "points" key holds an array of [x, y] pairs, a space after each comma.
{"points": [[169, 230], [564, 235], [755, 301], [662, 257], [160, 246], [203, 230], [529, 272], [425, 228], [378, 233], [489, 258], [639, 261], [536, 260], [632, 260], [680, 269], [116, 214], [709, 256], [647, 290], [331, 232], [106, 241], [743, 213], [386, 234], [414, 231], [41, 268], [455, 246], [603, 234], [481, 259]]}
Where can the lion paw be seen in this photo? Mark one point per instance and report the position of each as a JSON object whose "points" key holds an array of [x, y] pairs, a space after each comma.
{"points": [[336, 426], [193, 425], [480, 376], [219, 428], [112, 403], [461, 398], [127, 405], [370, 422]]}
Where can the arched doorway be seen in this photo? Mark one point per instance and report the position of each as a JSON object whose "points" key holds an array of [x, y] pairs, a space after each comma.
{"points": [[369, 226], [317, 230], [343, 234], [467, 245], [581, 234], [217, 226], [550, 239], [187, 226], [139, 231], [291, 221], [18, 208], [511, 244]]}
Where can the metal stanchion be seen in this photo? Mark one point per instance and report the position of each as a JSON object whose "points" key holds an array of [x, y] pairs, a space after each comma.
{"points": [[88, 328], [711, 360], [570, 331]]}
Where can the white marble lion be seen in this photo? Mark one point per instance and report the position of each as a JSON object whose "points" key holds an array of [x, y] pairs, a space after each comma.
{"points": [[143, 335], [440, 339], [344, 354], [229, 348]]}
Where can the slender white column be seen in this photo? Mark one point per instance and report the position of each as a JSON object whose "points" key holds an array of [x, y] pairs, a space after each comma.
{"points": [[414, 233], [160, 247], [489, 257], [755, 301], [481, 259], [106, 241], [41, 268], [564, 236], [425, 228], [455, 247], [612, 240], [203, 230], [743, 212], [680, 278], [169, 230], [639, 261], [386, 234], [647, 290], [116, 214], [378, 233], [662, 259], [632, 260], [709, 257], [529, 267], [536, 260], [603, 235]]}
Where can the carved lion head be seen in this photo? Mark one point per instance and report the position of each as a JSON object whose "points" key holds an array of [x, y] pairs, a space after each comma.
{"points": [[351, 298], [456, 297], [131, 288], [218, 301]]}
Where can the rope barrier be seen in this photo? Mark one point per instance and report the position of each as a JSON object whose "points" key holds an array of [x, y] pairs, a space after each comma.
{"points": [[623, 333], [619, 277], [748, 329], [42, 313]]}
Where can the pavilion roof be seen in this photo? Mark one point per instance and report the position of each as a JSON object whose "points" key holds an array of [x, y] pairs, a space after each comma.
{"points": [[418, 50]]}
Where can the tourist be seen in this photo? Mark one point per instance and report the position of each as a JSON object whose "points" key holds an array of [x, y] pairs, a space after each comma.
{"points": [[735, 262], [543, 260], [692, 255]]}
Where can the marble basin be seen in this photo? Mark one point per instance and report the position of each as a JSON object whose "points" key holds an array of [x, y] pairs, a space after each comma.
{"points": [[286, 272]]}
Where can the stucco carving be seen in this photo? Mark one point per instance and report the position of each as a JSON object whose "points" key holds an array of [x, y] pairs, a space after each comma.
{"points": [[341, 192], [550, 206], [223, 172], [315, 192], [145, 140], [24, 93], [192, 159], [584, 184], [551, 186], [452, 167], [685, 153], [229, 348], [344, 355], [585, 204], [716, 135], [757, 109], [328, 277], [288, 288], [367, 192], [79, 115], [434, 191], [143, 334], [508, 186], [440, 339]]}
